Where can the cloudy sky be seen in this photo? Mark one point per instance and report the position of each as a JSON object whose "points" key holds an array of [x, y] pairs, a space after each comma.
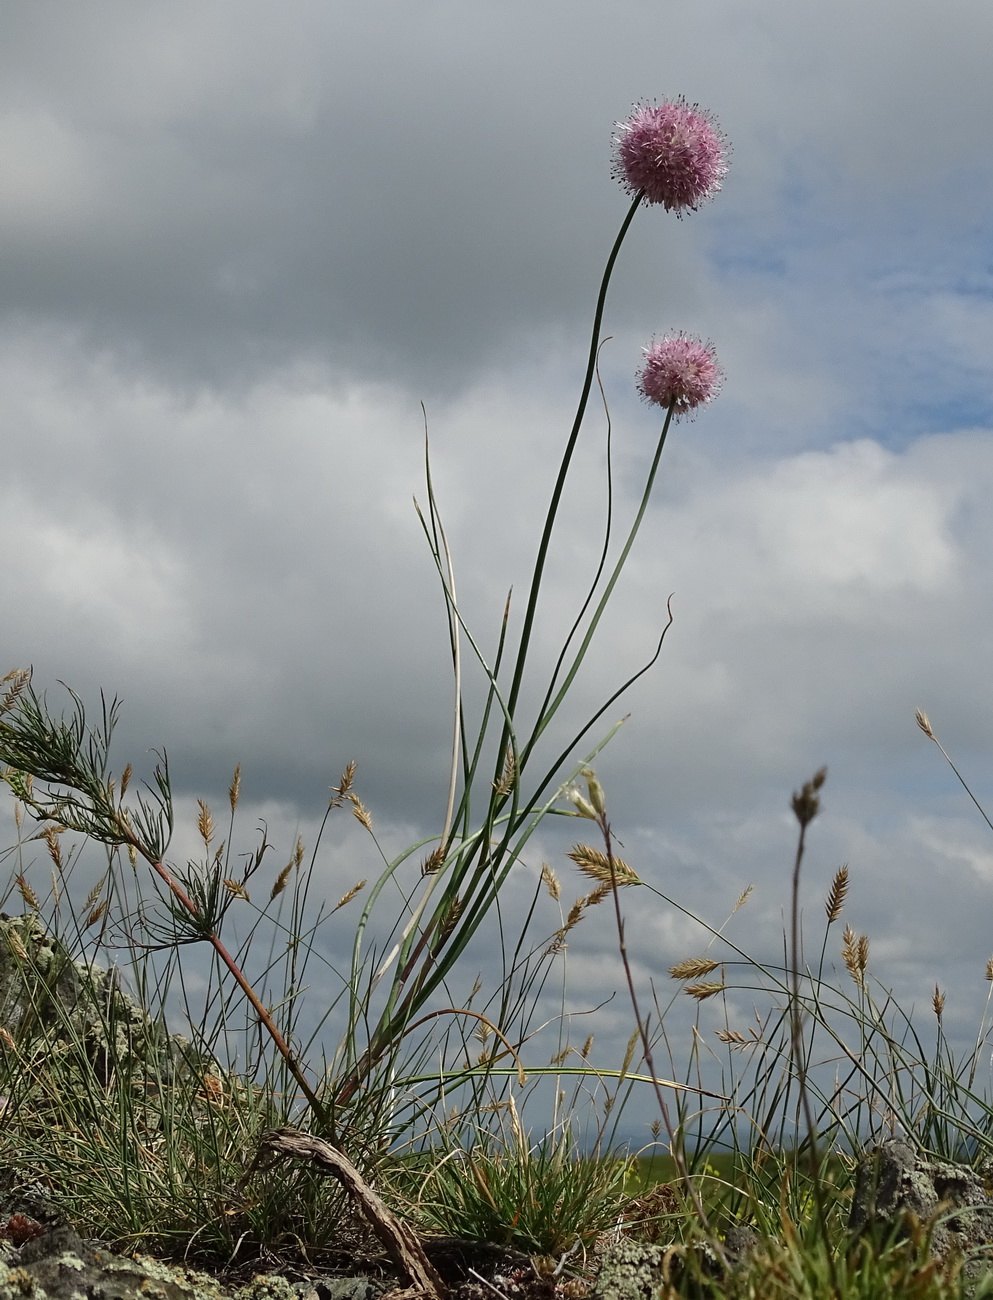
{"points": [[243, 242]]}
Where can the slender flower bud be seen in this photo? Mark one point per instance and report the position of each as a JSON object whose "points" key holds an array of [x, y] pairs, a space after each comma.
{"points": [[583, 806], [595, 790]]}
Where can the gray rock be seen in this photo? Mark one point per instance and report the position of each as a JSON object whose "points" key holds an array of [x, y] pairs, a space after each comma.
{"points": [[47, 998], [894, 1182], [59, 1265]]}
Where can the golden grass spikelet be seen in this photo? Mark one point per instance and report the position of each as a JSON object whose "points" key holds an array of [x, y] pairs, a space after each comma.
{"points": [[432, 864], [94, 894], [360, 812], [27, 893], [345, 899], [835, 902], [705, 990], [447, 925], [599, 867], [51, 837], [587, 1047], [7, 1039], [205, 823], [989, 969], [95, 914], [238, 889], [551, 881], [280, 882], [234, 789], [938, 1001], [132, 855], [509, 774], [16, 944], [18, 679], [924, 722], [340, 792], [126, 776], [746, 895], [855, 954], [559, 1057], [628, 1051], [733, 1038], [692, 968]]}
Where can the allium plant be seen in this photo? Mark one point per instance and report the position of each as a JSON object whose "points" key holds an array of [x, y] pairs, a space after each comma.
{"points": [[679, 371], [671, 153], [668, 154]]}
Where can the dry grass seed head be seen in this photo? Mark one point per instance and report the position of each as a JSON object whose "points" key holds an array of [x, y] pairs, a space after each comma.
{"points": [[234, 789], [205, 823], [733, 1038], [94, 894], [340, 792], [551, 881], [989, 969], [447, 924], [835, 901], [433, 863], [281, 879], [95, 914], [598, 866], [509, 774], [347, 898], [855, 954], [16, 944], [705, 990], [360, 812], [27, 893], [628, 1051], [18, 680], [746, 895], [924, 722], [692, 968], [51, 837], [237, 888], [938, 1001]]}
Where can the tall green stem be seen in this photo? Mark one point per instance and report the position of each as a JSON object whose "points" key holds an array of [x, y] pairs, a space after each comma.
{"points": [[546, 536]]}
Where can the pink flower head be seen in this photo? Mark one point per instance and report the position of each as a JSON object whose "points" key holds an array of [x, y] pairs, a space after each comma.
{"points": [[672, 152], [679, 371]]}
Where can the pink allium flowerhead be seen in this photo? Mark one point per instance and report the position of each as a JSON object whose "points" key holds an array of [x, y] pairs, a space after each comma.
{"points": [[679, 371], [673, 152]]}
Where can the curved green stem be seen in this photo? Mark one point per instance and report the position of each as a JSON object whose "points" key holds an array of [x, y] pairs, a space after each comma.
{"points": [[539, 564]]}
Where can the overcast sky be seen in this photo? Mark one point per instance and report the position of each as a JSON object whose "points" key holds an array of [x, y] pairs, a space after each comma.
{"points": [[243, 241]]}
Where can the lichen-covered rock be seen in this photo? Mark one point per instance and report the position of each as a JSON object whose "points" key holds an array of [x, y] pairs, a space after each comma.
{"points": [[641, 1270], [631, 1270], [59, 1265], [47, 998], [894, 1182]]}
